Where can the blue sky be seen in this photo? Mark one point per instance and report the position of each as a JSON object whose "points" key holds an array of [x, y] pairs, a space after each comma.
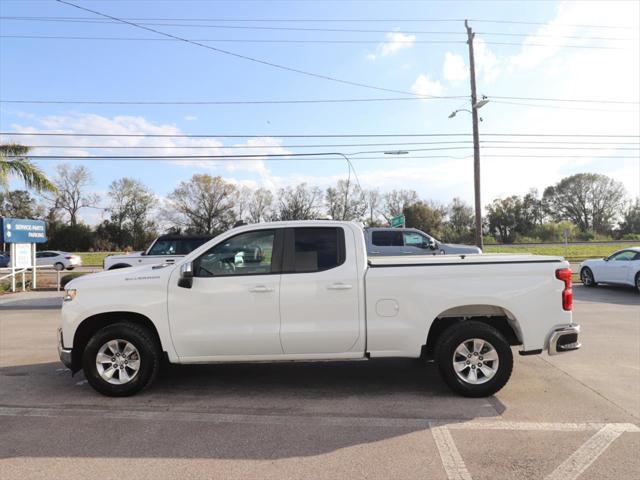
{"points": [[48, 69]]}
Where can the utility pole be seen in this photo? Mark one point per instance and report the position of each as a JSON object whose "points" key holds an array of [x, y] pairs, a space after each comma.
{"points": [[476, 137]]}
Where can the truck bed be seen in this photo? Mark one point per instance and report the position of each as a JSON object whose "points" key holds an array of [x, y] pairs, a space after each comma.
{"points": [[435, 260]]}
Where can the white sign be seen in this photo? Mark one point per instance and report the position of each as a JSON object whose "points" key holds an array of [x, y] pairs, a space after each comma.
{"points": [[22, 255]]}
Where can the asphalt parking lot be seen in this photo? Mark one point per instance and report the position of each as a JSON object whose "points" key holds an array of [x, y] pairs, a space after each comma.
{"points": [[564, 417]]}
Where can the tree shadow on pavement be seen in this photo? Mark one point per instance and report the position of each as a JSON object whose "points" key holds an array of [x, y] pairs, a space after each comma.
{"points": [[618, 295]]}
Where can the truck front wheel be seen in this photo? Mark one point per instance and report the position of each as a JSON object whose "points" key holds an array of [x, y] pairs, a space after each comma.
{"points": [[121, 359], [474, 359]]}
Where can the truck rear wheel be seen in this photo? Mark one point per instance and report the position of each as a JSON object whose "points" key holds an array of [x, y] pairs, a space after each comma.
{"points": [[474, 359], [121, 359]]}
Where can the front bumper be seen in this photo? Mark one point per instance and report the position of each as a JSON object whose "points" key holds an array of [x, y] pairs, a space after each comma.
{"points": [[564, 339], [65, 354]]}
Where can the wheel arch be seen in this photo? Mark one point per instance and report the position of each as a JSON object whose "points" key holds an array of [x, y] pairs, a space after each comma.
{"points": [[496, 316], [90, 325]]}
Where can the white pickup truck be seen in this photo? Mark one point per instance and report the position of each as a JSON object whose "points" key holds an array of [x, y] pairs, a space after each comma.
{"points": [[305, 290]]}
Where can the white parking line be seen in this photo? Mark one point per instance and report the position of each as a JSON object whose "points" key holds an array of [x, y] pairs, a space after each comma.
{"points": [[451, 459], [380, 422], [577, 463]]}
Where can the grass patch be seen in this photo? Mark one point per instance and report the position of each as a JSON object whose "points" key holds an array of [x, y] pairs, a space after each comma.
{"points": [[94, 259], [573, 253]]}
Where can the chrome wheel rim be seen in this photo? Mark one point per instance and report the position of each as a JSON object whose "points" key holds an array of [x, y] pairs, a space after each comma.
{"points": [[118, 362], [475, 361], [586, 277]]}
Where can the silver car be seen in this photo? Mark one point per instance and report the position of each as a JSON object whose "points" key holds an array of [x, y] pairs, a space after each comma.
{"points": [[410, 241]]}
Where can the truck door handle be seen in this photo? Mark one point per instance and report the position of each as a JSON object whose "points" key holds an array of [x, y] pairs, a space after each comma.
{"points": [[169, 260], [260, 289], [339, 286]]}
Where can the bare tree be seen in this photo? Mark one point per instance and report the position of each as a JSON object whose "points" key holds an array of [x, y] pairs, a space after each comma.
{"points": [[242, 201], [71, 196], [299, 203], [373, 199], [131, 205], [203, 204], [261, 206], [345, 201], [396, 201]]}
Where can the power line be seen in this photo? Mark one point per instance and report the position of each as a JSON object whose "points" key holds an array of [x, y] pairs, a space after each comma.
{"points": [[231, 102], [145, 21], [268, 157], [237, 55], [311, 42], [169, 135], [562, 107], [303, 101], [232, 40], [547, 99], [359, 135], [266, 147]]}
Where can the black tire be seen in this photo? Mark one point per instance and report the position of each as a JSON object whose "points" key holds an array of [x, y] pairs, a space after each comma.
{"points": [[58, 266], [638, 281], [456, 335], [70, 268], [140, 338], [587, 278]]}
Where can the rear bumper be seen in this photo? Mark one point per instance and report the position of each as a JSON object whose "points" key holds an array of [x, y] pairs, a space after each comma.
{"points": [[65, 354], [564, 339]]}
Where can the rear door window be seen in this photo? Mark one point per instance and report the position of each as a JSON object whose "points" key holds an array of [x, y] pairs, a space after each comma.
{"points": [[387, 239], [315, 249]]}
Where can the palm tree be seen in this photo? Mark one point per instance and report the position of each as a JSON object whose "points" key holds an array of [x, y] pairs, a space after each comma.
{"points": [[14, 161]]}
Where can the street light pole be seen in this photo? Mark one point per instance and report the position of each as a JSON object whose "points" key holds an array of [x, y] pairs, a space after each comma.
{"points": [[476, 137]]}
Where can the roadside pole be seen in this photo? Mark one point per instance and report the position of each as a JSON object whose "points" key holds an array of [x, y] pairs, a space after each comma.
{"points": [[476, 137], [33, 266]]}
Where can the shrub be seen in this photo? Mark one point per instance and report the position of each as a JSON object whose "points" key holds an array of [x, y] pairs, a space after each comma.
{"points": [[68, 277]]}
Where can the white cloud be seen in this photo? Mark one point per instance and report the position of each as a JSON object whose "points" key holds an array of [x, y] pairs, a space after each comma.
{"points": [[396, 41], [190, 118], [426, 87], [454, 68], [148, 146]]}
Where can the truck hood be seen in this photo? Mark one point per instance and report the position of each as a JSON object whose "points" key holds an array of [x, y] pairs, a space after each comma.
{"points": [[122, 276], [127, 256]]}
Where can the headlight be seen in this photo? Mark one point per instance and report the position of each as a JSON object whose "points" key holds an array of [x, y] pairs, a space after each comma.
{"points": [[69, 294]]}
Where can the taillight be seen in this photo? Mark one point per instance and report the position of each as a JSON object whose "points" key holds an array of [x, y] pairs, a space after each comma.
{"points": [[69, 258], [564, 274]]}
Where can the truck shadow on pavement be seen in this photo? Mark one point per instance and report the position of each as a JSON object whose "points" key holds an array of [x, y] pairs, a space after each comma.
{"points": [[230, 411]]}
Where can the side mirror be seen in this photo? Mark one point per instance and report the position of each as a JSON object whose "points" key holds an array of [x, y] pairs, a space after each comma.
{"points": [[606, 259], [432, 244], [186, 275]]}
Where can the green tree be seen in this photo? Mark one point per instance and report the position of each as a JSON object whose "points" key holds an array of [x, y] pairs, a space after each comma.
{"points": [[591, 201], [14, 162], [424, 216], [459, 226], [19, 204], [631, 220], [502, 218]]}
